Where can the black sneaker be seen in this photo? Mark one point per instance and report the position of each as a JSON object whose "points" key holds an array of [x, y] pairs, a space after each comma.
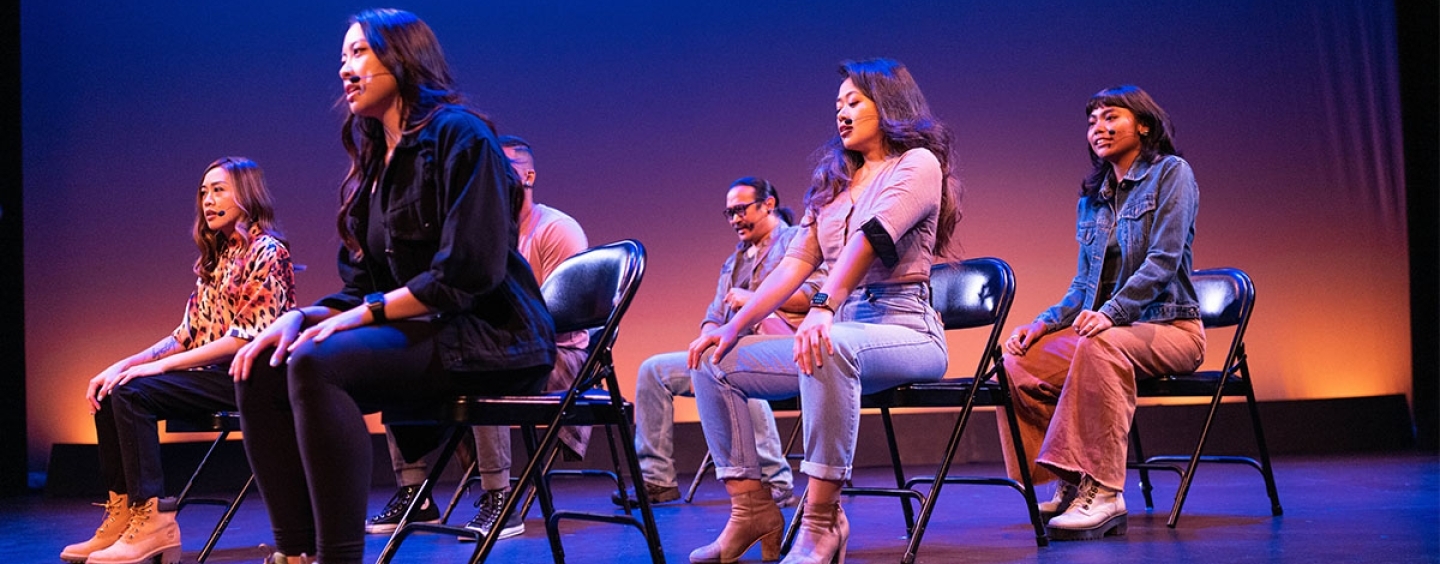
{"points": [[387, 519], [490, 504], [657, 493]]}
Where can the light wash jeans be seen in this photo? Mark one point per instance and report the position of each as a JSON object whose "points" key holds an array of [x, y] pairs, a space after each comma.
{"points": [[661, 378], [883, 337]]}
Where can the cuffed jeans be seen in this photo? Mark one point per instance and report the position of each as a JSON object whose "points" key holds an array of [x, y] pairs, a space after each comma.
{"points": [[1075, 396], [661, 378], [883, 337]]}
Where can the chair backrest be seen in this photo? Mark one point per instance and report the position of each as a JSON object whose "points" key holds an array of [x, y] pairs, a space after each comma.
{"points": [[591, 291], [1227, 296], [974, 293]]}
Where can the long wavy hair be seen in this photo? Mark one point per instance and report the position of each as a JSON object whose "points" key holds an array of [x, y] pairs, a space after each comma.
{"points": [[408, 49], [763, 190], [257, 207], [1154, 145], [905, 123]]}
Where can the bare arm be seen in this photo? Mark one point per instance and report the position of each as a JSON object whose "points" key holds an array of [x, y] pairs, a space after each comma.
{"points": [[812, 339]]}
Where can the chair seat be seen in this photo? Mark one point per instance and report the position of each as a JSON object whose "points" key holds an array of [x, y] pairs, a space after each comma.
{"points": [[949, 392], [1197, 384], [591, 408], [218, 421]]}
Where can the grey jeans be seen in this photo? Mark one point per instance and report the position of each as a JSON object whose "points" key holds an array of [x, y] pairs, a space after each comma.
{"points": [[883, 337]]}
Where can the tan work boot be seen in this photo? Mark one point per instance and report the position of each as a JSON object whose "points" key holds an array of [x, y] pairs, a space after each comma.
{"points": [[151, 532], [117, 517], [280, 558]]}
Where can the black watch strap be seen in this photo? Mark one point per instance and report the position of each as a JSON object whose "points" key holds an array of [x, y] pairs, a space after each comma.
{"points": [[376, 303]]}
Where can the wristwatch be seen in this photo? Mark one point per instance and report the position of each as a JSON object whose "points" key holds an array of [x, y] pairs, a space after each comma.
{"points": [[376, 303], [822, 301]]}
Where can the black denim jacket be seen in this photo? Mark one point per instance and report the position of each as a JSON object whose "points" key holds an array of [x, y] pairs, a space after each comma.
{"points": [[451, 239]]}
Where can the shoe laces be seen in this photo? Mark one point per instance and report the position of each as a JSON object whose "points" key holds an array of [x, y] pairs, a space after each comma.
{"points": [[139, 514], [1088, 489], [490, 504], [112, 514], [398, 502]]}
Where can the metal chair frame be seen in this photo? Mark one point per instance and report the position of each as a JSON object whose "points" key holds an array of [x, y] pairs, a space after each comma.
{"points": [[971, 294], [224, 423], [1227, 298], [589, 290]]}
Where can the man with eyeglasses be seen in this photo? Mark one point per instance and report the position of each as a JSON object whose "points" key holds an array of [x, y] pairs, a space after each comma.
{"points": [[765, 230]]}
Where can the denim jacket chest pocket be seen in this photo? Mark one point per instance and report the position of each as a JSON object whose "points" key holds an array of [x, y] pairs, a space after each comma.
{"points": [[1085, 232], [413, 218], [414, 212], [1134, 220]]}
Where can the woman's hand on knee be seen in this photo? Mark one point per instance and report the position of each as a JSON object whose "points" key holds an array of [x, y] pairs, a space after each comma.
{"points": [[279, 334], [812, 340], [1091, 323], [1023, 337], [349, 319], [101, 384], [722, 338]]}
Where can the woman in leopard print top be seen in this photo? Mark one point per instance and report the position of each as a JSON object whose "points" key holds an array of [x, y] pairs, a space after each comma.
{"points": [[245, 282]]}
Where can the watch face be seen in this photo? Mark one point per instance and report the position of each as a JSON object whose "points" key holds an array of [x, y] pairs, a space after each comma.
{"points": [[819, 299]]}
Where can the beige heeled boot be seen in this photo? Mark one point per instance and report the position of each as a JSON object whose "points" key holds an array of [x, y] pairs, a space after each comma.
{"points": [[117, 517], [754, 517], [151, 532], [824, 532]]}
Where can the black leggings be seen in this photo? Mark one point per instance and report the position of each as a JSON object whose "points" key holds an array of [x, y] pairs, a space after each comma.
{"points": [[306, 437], [127, 431]]}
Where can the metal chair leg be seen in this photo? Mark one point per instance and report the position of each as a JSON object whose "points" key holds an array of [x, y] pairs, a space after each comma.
{"points": [[705, 465]]}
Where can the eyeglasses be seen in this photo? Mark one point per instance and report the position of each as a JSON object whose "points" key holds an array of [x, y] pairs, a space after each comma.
{"points": [[733, 211]]}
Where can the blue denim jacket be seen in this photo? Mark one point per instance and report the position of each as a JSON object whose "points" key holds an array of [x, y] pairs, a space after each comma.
{"points": [[1155, 229]]}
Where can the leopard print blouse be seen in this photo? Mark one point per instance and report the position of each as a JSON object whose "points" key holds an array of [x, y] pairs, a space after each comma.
{"points": [[256, 283]]}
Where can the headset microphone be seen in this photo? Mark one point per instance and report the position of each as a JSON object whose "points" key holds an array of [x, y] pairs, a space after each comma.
{"points": [[355, 78], [848, 121], [1110, 131], [220, 213]]}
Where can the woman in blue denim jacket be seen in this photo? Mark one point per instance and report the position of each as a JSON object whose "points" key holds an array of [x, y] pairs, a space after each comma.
{"points": [[1130, 312], [436, 298]]}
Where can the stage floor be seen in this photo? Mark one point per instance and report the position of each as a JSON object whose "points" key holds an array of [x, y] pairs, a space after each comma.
{"points": [[1356, 508]]}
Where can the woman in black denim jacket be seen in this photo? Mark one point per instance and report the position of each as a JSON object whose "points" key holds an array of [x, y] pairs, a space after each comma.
{"points": [[1130, 312], [436, 301]]}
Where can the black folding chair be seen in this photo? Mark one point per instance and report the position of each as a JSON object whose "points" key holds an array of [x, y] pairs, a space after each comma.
{"points": [[224, 423], [1227, 296], [589, 290], [972, 294]]}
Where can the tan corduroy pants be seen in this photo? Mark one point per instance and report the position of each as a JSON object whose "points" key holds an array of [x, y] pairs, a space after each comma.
{"points": [[1075, 396]]}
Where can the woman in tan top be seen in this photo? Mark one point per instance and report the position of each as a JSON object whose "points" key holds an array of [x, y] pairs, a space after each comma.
{"points": [[881, 207]]}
